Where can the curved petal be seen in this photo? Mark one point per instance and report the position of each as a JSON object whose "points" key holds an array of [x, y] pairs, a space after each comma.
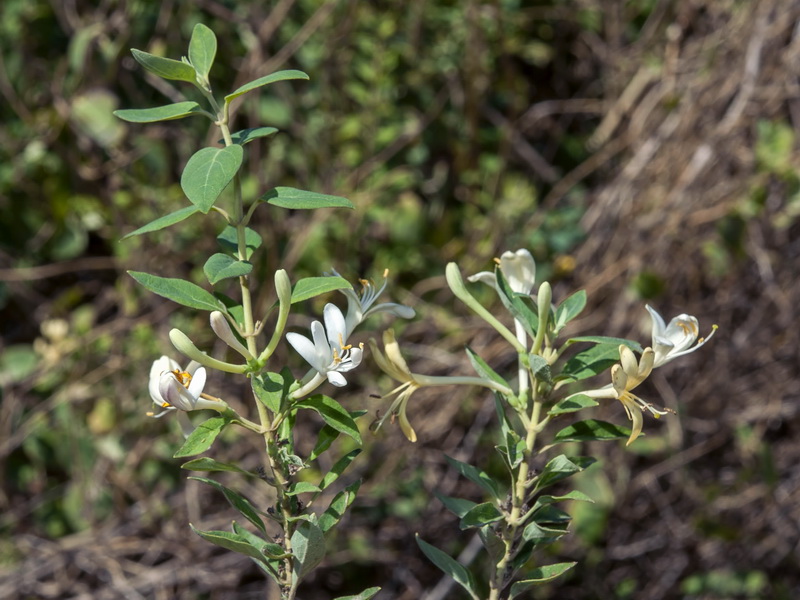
{"points": [[682, 332], [628, 361], [305, 348], [394, 356], [398, 310], [335, 325], [159, 366], [486, 277], [658, 323], [198, 382], [336, 378], [637, 420]]}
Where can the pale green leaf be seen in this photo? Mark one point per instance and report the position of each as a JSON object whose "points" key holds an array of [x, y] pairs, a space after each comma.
{"points": [[165, 67], [202, 50], [165, 221], [169, 112], [450, 566], [221, 266], [178, 290], [208, 172], [202, 437], [315, 286], [286, 197], [262, 81]]}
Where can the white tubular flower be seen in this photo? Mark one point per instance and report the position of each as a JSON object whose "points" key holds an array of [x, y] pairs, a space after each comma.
{"points": [[676, 339], [172, 388], [519, 269], [327, 351], [625, 377], [359, 307]]}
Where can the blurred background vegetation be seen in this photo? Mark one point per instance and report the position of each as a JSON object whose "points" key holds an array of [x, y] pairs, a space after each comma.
{"points": [[643, 150]]}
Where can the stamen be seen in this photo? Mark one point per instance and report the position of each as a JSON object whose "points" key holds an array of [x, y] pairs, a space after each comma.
{"points": [[496, 260], [385, 273], [183, 377]]}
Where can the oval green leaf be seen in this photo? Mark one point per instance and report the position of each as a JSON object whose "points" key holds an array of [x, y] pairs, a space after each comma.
{"points": [[208, 172], [165, 67], [231, 541], [160, 113], [229, 241], [178, 290], [222, 266], [480, 515], [308, 547], [315, 286], [202, 50], [248, 135], [201, 438], [539, 575], [210, 465], [286, 197], [449, 566], [165, 221], [262, 81], [333, 413]]}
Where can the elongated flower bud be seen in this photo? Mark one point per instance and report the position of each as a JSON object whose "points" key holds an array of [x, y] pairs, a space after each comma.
{"points": [[224, 332], [185, 346]]}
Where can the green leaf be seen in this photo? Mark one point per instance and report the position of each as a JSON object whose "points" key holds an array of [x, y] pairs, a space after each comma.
{"points": [[221, 266], [457, 506], [562, 467], [480, 515], [333, 413], [537, 534], [511, 446], [365, 595], [165, 221], [262, 81], [551, 514], [476, 476], [602, 339], [483, 369], [328, 434], [202, 437], [338, 468], [338, 506], [540, 368], [591, 430], [573, 495], [208, 172], [270, 389], [286, 197], [169, 112], [231, 541], [202, 50], [270, 549], [450, 566], [516, 304], [209, 464], [316, 286], [537, 576], [229, 241], [572, 404], [590, 362], [165, 68], [569, 309], [246, 136], [308, 547], [237, 501], [302, 487], [178, 290]]}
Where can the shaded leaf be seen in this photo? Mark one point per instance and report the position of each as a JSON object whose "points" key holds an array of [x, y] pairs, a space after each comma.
{"points": [[169, 112], [308, 547], [246, 136], [202, 437], [476, 476], [231, 541], [338, 468], [562, 467], [165, 221], [590, 430], [480, 515], [450, 566], [338, 506], [483, 369], [333, 413], [229, 241], [365, 595], [209, 464], [286, 197], [262, 81], [166, 68], [457, 506], [238, 502], [221, 266], [539, 575], [178, 290], [572, 404], [302, 487]]}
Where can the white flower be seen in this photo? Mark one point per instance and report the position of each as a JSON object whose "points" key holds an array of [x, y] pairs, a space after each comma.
{"points": [[326, 351], [359, 308], [626, 376], [519, 269], [173, 388], [676, 339]]}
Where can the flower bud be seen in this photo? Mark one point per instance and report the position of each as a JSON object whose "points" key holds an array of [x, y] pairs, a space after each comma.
{"points": [[185, 346], [224, 332]]}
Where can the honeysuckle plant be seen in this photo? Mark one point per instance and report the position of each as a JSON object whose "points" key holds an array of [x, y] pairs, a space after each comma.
{"points": [[536, 418], [286, 538], [535, 408]]}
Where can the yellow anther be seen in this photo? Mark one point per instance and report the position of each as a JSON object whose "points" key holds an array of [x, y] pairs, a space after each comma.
{"points": [[183, 377], [385, 273], [496, 260]]}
